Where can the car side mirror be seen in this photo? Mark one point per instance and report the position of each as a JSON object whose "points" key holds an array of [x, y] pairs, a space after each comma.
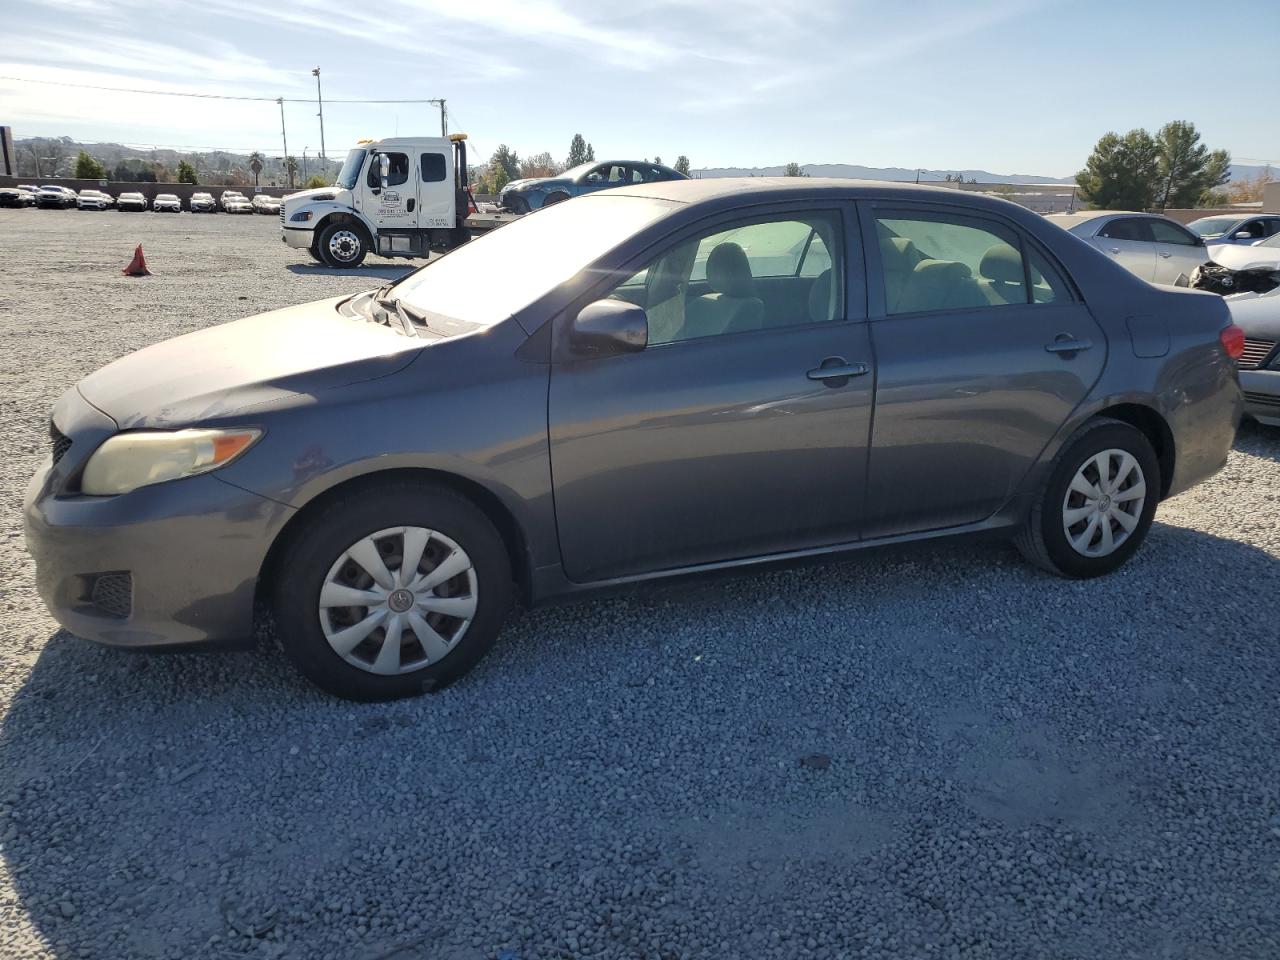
{"points": [[608, 327], [1242, 235], [594, 178]]}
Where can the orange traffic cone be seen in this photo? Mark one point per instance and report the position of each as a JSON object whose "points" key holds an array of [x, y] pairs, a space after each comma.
{"points": [[138, 265]]}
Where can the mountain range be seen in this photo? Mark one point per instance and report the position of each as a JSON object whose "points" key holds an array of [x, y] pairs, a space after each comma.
{"points": [[858, 172]]}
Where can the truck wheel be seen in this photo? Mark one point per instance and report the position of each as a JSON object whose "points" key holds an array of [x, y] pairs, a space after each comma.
{"points": [[558, 197], [343, 244]]}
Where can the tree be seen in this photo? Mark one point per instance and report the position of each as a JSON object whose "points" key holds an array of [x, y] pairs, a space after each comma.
{"points": [[591, 153], [1121, 173], [539, 165], [316, 181], [186, 172], [256, 163], [87, 168], [1250, 189], [577, 151], [682, 164], [291, 169], [794, 170], [1187, 169], [508, 160]]}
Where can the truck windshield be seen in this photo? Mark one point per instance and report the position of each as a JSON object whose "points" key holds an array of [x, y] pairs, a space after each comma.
{"points": [[489, 279], [350, 171]]}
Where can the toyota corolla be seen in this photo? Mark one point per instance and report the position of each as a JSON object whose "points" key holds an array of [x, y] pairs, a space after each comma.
{"points": [[666, 379]]}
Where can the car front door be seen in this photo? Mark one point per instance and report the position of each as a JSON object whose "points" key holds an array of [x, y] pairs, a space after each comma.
{"points": [[395, 205], [1178, 251], [976, 369], [740, 430], [1129, 242]]}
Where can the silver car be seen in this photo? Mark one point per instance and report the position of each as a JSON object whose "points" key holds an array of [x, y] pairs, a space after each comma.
{"points": [[1153, 247], [670, 378], [1235, 229]]}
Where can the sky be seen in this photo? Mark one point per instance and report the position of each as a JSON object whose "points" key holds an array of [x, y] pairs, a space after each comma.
{"points": [[1009, 86]]}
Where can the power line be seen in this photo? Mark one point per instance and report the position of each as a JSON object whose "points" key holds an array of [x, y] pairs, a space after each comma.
{"points": [[198, 96]]}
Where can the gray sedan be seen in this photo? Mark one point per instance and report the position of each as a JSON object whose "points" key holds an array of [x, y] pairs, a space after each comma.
{"points": [[1259, 318], [671, 378]]}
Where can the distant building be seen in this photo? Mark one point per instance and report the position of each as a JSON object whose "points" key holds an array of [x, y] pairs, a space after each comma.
{"points": [[1040, 197]]}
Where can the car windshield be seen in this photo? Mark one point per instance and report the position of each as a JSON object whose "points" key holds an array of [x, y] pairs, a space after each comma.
{"points": [[489, 279], [574, 172], [350, 171], [1273, 241], [1212, 226]]}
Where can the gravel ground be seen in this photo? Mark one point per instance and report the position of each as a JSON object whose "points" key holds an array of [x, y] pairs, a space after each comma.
{"points": [[928, 752]]}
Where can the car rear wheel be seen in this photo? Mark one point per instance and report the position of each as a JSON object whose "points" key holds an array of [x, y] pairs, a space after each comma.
{"points": [[392, 592], [343, 244], [1098, 504], [558, 197]]}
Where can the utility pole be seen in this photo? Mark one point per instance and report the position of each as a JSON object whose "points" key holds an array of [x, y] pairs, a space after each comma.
{"points": [[285, 140], [320, 101], [444, 122], [304, 162]]}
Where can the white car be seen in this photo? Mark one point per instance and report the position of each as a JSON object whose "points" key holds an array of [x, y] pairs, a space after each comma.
{"points": [[166, 202], [1233, 229], [52, 195], [95, 200], [131, 201], [264, 203], [232, 196], [1154, 247]]}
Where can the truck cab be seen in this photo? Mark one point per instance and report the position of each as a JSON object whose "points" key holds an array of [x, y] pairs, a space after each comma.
{"points": [[397, 197]]}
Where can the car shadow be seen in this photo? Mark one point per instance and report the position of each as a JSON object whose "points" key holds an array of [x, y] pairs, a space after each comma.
{"points": [[1258, 439], [387, 271], [159, 805]]}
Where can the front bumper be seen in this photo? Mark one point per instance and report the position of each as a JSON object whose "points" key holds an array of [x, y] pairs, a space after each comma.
{"points": [[298, 237], [180, 560], [1262, 395]]}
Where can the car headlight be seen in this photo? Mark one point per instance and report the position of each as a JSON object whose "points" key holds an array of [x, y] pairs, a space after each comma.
{"points": [[127, 461], [301, 216]]}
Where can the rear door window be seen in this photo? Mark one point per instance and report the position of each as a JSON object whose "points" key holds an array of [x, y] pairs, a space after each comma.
{"points": [[1128, 228], [433, 167]]}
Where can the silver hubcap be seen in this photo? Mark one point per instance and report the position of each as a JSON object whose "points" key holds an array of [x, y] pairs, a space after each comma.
{"points": [[398, 600], [344, 245], [1104, 503]]}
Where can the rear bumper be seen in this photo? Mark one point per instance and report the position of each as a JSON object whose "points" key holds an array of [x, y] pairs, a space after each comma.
{"points": [[1262, 395]]}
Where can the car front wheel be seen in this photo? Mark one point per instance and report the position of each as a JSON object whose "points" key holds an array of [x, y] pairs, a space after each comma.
{"points": [[1098, 504], [391, 592], [343, 245], [558, 197]]}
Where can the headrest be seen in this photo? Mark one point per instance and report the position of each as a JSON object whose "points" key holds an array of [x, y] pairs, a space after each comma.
{"points": [[1002, 264], [941, 271], [729, 271], [898, 253], [820, 298]]}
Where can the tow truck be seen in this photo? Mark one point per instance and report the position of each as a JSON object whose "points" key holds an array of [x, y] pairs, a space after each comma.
{"points": [[396, 197]]}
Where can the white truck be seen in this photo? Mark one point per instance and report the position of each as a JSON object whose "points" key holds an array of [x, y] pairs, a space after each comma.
{"points": [[398, 197]]}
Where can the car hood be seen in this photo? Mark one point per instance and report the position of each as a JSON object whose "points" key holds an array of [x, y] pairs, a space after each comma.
{"points": [[1237, 257], [315, 193], [1258, 316], [230, 368], [538, 182]]}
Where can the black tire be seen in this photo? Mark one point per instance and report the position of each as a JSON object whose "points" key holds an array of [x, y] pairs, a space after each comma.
{"points": [[352, 236], [518, 205], [315, 253], [558, 197], [1043, 537], [308, 557]]}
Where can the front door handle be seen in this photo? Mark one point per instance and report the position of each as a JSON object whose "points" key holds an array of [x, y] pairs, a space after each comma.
{"points": [[1114, 249], [1066, 343], [1165, 255], [836, 371]]}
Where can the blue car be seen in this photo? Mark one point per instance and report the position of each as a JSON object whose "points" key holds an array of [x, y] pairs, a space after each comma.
{"points": [[521, 196]]}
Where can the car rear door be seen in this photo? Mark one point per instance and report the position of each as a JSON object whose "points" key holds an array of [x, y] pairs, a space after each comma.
{"points": [[435, 189], [717, 444], [976, 369], [1128, 241]]}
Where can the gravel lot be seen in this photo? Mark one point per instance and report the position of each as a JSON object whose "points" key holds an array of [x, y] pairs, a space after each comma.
{"points": [[934, 752]]}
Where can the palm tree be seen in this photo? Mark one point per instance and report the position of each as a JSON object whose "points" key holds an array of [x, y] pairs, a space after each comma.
{"points": [[255, 164], [291, 168]]}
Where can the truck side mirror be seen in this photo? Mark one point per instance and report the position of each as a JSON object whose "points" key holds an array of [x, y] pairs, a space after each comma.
{"points": [[384, 169]]}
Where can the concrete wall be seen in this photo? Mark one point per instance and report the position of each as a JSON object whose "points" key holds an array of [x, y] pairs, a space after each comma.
{"points": [[1271, 197], [149, 190]]}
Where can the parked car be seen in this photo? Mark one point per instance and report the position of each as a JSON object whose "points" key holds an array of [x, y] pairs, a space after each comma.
{"points": [[1235, 229], [1259, 317], [614, 419], [521, 196], [52, 196], [132, 201], [95, 200], [237, 206], [265, 203], [16, 197], [166, 203], [231, 196], [1154, 247], [203, 203], [1241, 269]]}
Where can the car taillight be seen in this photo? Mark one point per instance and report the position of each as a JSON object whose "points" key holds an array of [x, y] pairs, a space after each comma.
{"points": [[1232, 338]]}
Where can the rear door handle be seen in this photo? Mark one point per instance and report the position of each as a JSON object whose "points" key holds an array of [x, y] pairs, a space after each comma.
{"points": [[1114, 249], [1065, 343], [1165, 255], [836, 371]]}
